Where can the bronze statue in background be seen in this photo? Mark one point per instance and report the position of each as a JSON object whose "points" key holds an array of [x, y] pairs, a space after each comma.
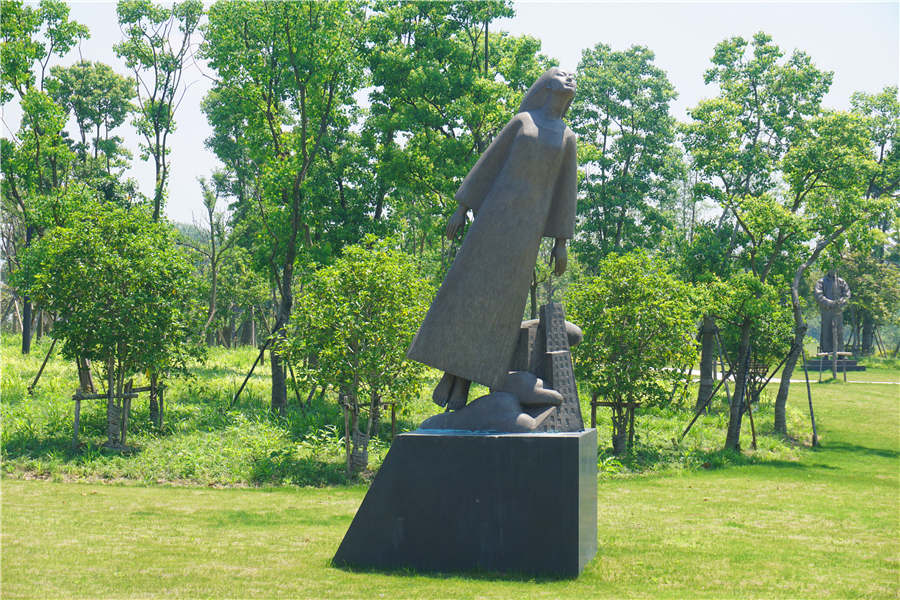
{"points": [[832, 294]]}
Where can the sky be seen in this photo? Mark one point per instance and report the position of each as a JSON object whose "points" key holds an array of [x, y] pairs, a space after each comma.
{"points": [[858, 41]]}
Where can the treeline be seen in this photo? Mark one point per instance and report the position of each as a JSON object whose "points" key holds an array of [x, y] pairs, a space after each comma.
{"points": [[341, 123]]}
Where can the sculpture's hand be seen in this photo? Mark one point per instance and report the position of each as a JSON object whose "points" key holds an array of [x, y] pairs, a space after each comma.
{"points": [[559, 256], [456, 222]]}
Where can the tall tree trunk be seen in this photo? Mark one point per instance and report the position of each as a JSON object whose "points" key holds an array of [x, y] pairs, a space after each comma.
{"points": [[707, 356], [733, 439], [85, 379], [155, 413], [786, 373], [620, 430], [231, 326], [26, 303], [279, 377], [800, 328], [113, 426], [868, 333], [39, 328]]}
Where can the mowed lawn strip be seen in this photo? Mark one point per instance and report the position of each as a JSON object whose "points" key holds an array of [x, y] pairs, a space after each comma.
{"points": [[825, 526]]}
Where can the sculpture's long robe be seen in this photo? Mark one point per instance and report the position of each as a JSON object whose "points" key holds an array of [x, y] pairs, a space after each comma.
{"points": [[522, 188]]}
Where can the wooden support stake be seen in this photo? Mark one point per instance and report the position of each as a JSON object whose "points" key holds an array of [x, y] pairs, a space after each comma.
{"points": [[41, 370], [812, 417], [343, 402], [630, 426], [160, 398], [294, 384], [77, 421], [703, 406], [126, 406], [247, 378], [594, 411], [752, 425]]}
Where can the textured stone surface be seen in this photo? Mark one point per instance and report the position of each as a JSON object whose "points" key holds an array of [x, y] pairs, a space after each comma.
{"points": [[557, 371], [524, 504], [496, 412], [521, 189], [529, 390], [523, 355]]}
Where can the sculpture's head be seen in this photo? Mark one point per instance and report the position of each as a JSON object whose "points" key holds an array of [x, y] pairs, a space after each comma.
{"points": [[553, 81]]}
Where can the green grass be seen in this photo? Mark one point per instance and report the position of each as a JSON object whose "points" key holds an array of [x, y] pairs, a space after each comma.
{"points": [[205, 441], [785, 521], [825, 525]]}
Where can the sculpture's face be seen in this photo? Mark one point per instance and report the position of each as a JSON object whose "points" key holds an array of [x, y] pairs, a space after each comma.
{"points": [[563, 81]]}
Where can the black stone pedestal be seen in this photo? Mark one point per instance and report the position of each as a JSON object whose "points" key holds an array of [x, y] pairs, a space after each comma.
{"points": [[455, 501]]}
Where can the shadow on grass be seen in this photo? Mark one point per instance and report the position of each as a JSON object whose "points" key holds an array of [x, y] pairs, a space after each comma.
{"points": [[478, 575], [649, 459], [282, 467], [60, 448], [857, 449]]}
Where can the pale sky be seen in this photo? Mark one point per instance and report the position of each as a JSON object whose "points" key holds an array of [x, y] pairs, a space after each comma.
{"points": [[859, 41]]}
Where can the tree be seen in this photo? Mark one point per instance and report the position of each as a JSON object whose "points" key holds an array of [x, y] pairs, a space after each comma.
{"points": [[35, 162], [444, 85], [287, 72], [875, 303], [243, 293], [218, 242], [826, 171], [156, 47], [99, 99], [639, 323], [358, 316], [627, 151], [737, 143], [122, 293]]}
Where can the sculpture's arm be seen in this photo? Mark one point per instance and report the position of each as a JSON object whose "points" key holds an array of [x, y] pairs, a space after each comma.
{"points": [[457, 220], [559, 255], [844, 291], [481, 178], [561, 217]]}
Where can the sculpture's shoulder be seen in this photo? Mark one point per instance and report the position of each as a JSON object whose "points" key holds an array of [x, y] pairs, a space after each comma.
{"points": [[520, 119]]}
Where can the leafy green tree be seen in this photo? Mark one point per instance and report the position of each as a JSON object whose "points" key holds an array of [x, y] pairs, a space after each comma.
{"points": [[157, 46], [287, 72], [639, 323], [245, 294], [826, 171], [99, 99], [358, 316], [875, 301], [122, 292], [761, 152], [35, 162], [743, 297], [444, 85], [881, 115], [626, 145]]}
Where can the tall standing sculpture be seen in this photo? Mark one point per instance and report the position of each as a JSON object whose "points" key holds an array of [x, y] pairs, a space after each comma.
{"points": [[520, 190], [484, 486], [832, 294]]}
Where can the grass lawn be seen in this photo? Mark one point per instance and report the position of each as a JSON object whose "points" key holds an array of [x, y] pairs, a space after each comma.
{"points": [[825, 523]]}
